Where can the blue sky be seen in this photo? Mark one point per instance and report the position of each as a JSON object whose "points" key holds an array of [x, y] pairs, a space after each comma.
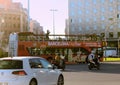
{"points": [[40, 11]]}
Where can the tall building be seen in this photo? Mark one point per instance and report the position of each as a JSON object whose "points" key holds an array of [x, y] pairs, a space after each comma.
{"points": [[13, 17], [94, 16], [35, 27]]}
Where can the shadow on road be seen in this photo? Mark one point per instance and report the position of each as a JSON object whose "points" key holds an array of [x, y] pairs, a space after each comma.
{"points": [[113, 68]]}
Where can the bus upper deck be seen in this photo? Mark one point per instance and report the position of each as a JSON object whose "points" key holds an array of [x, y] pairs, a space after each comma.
{"points": [[29, 36]]}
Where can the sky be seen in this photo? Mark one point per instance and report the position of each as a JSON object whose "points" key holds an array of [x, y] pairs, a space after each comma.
{"points": [[40, 11]]}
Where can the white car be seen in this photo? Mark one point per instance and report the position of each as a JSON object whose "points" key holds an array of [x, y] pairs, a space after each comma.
{"points": [[29, 71]]}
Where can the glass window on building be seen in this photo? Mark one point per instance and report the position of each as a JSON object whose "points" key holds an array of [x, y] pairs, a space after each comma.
{"points": [[79, 3], [95, 27], [102, 1], [87, 20], [80, 20], [80, 12], [103, 9], [87, 28], [72, 21], [119, 8], [87, 11], [118, 34], [72, 29], [72, 5], [14, 25], [111, 27], [94, 2], [80, 28], [103, 26], [72, 13], [95, 10], [111, 9], [111, 1], [18, 25], [102, 18], [95, 19], [119, 25], [18, 18], [87, 3]]}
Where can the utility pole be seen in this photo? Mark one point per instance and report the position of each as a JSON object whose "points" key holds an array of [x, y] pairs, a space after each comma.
{"points": [[53, 10]]}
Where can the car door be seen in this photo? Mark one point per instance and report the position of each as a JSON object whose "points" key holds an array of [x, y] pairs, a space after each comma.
{"points": [[52, 74], [38, 71]]}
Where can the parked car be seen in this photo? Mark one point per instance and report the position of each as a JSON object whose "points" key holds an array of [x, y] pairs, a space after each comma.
{"points": [[27, 70]]}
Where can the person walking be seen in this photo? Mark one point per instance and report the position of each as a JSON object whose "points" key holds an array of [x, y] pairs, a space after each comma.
{"points": [[57, 60], [62, 61]]}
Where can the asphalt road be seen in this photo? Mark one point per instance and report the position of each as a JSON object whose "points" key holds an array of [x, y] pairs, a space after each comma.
{"points": [[79, 74]]}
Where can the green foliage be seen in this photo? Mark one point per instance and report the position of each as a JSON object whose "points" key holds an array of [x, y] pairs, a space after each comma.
{"points": [[3, 54]]}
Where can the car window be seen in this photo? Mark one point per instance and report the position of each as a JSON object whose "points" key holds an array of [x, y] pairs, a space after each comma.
{"points": [[11, 64], [35, 63], [45, 64]]}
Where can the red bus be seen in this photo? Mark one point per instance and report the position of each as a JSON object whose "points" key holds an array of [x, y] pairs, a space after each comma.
{"points": [[30, 44]]}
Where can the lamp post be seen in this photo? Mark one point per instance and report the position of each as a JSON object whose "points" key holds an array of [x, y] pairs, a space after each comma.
{"points": [[106, 40], [108, 27], [118, 47], [106, 33], [53, 10]]}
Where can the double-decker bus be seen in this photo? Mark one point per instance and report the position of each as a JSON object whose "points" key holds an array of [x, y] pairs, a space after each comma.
{"points": [[30, 44]]}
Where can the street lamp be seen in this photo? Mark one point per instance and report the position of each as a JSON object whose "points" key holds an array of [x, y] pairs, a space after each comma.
{"points": [[53, 10], [118, 46], [108, 27]]}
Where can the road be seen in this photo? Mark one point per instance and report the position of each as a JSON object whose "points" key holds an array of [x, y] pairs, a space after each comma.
{"points": [[109, 74]]}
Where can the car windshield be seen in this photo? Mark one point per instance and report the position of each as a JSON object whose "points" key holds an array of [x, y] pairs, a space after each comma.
{"points": [[11, 64]]}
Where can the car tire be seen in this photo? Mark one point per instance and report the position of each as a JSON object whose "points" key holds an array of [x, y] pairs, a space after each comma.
{"points": [[60, 80], [33, 82]]}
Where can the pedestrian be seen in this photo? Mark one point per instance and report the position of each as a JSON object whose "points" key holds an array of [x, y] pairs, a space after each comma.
{"points": [[57, 59]]}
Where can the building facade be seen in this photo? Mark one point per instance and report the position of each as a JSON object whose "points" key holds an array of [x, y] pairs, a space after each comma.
{"points": [[13, 18], [35, 27], [94, 16]]}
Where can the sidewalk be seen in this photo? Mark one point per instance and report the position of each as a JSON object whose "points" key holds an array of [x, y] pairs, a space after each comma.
{"points": [[112, 62], [111, 59]]}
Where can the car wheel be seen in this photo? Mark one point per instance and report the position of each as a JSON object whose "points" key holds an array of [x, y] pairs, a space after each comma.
{"points": [[33, 82], [60, 80]]}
